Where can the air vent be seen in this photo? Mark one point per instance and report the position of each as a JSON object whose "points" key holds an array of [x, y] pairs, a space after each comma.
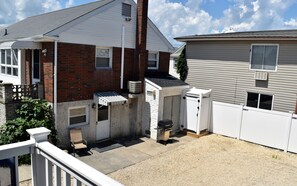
{"points": [[135, 87], [263, 76]]}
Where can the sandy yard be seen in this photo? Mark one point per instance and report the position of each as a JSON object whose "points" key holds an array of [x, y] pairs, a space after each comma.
{"points": [[214, 160]]}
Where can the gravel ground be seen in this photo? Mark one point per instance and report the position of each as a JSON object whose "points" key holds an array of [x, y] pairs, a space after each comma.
{"points": [[214, 160]]}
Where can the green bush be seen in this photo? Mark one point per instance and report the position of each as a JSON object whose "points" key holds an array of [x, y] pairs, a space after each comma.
{"points": [[182, 65], [33, 113]]}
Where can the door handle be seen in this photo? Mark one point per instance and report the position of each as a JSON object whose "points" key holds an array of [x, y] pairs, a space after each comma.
{"points": [[246, 109]]}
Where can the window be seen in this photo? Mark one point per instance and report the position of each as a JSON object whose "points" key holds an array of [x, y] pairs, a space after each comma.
{"points": [[153, 60], [262, 101], [126, 10], [103, 57], [78, 115], [264, 57], [102, 113], [9, 62], [175, 62], [36, 64]]}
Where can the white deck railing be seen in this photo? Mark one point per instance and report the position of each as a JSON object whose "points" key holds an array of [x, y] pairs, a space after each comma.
{"points": [[52, 166]]}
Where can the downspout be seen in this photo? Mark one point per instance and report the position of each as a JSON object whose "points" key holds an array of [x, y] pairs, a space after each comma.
{"points": [[55, 80], [123, 57]]}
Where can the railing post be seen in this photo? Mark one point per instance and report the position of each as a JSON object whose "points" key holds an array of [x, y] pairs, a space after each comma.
{"points": [[37, 161]]}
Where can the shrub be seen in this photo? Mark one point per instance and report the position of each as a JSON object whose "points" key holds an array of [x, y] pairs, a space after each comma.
{"points": [[32, 113], [182, 66]]}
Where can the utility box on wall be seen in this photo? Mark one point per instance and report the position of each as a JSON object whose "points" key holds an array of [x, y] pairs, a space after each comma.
{"points": [[197, 108]]}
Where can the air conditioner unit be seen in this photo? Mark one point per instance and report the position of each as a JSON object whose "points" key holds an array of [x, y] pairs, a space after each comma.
{"points": [[135, 87], [263, 76]]}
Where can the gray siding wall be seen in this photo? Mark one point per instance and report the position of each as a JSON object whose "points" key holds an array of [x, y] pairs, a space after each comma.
{"points": [[223, 66]]}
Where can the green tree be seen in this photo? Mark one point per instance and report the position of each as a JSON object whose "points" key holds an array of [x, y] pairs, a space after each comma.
{"points": [[182, 66], [32, 113]]}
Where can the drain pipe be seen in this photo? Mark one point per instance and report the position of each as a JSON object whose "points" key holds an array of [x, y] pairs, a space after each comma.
{"points": [[123, 57], [55, 80]]}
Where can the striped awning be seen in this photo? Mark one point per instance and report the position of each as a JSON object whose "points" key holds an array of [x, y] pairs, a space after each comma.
{"points": [[109, 98], [20, 45]]}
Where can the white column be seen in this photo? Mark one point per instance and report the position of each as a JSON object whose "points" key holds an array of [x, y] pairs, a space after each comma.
{"points": [[37, 161]]}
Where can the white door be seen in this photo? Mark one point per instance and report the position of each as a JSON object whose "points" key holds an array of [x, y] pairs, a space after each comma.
{"points": [[103, 123], [192, 113], [35, 66]]}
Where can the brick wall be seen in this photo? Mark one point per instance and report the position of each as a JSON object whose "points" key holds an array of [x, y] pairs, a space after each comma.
{"points": [[47, 71], [78, 78], [164, 58], [28, 67]]}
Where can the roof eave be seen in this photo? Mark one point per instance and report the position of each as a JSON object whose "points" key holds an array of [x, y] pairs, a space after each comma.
{"points": [[236, 38]]}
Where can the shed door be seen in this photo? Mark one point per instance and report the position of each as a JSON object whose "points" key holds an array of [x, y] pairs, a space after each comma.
{"points": [[192, 110], [171, 110]]}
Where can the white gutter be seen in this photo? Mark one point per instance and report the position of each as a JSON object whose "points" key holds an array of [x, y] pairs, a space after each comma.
{"points": [[55, 80], [122, 57]]}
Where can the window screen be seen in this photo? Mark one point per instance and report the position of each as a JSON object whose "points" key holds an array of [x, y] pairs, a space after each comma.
{"points": [[264, 57], [126, 10], [103, 58], [78, 116]]}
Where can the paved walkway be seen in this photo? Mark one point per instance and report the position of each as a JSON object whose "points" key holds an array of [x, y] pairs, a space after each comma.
{"points": [[120, 154]]}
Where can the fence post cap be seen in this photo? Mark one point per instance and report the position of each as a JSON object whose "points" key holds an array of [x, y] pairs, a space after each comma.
{"points": [[39, 134]]}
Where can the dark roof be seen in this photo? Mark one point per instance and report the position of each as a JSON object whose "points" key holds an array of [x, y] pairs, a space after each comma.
{"points": [[165, 80], [45, 23], [279, 34]]}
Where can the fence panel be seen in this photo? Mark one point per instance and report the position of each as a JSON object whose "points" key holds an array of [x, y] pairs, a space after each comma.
{"points": [[269, 128], [226, 119], [293, 135]]}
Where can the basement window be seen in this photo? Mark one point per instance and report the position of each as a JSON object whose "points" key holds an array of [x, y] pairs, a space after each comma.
{"points": [[264, 57], [78, 116], [257, 100], [153, 60], [103, 58], [126, 10]]}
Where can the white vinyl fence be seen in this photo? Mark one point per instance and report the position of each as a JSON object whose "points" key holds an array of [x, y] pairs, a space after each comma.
{"points": [[269, 128]]}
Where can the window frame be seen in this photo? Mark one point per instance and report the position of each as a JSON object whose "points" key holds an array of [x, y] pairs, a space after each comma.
{"points": [[78, 124], [264, 44], [157, 61], [110, 49], [11, 65], [259, 96]]}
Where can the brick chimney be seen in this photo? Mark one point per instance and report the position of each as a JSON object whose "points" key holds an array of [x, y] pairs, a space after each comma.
{"points": [[141, 35]]}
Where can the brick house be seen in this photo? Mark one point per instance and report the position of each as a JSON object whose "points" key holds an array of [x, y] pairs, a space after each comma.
{"points": [[84, 57]]}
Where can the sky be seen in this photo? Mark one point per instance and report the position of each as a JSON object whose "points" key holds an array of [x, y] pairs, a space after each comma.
{"points": [[182, 17]]}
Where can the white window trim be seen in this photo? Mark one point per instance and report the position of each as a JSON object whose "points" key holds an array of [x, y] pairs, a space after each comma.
{"points": [[259, 93], [157, 67], [11, 62], [110, 57], [78, 124], [265, 44]]}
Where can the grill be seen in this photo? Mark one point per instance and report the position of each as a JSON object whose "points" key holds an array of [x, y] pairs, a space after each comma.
{"points": [[164, 129]]}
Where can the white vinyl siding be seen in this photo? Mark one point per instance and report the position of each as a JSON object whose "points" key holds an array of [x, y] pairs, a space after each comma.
{"points": [[105, 29], [103, 58], [264, 57], [78, 116], [223, 66], [9, 62]]}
